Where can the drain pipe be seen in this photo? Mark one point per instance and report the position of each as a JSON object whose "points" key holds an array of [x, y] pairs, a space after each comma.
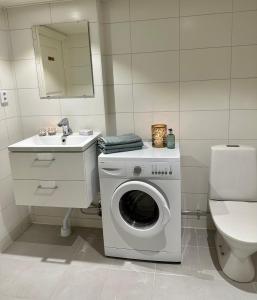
{"points": [[198, 213], [66, 226]]}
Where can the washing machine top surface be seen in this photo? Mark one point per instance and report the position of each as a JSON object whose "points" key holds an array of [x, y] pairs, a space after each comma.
{"points": [[147, 152]]}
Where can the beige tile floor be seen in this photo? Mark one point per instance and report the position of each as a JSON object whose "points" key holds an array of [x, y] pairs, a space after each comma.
{"points": [[42, 265]]}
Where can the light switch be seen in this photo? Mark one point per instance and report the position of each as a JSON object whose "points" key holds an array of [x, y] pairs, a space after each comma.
{"points": [[3, 98]]}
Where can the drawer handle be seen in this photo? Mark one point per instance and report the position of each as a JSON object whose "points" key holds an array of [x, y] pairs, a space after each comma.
{"points": [[47, 188], [37, 159], [111, 169]]}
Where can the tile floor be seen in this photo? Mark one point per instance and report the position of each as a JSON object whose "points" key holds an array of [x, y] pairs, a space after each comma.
{"points": [[42, 265]]}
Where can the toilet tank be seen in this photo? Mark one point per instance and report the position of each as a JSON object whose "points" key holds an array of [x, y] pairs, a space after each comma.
{"points": [[233, 174]]}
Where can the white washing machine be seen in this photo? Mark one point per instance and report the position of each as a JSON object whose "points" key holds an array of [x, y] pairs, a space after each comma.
{"points": [[141, 203]]}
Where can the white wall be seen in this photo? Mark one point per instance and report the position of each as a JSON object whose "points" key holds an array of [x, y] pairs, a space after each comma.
{"points": [[13, 219], [191, 64]]}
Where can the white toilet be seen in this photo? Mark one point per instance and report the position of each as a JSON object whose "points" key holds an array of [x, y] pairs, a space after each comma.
{"points": [[233, 206]]}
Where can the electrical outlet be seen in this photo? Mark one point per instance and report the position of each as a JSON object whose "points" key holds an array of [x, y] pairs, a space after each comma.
{"points": [[3, 98]]}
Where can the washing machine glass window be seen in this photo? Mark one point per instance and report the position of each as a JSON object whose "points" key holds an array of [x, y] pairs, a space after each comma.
{"points": [[139, 209]]}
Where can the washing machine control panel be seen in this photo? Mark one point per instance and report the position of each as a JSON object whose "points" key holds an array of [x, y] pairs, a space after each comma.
{"points": [[154, 170], [163, 169]]}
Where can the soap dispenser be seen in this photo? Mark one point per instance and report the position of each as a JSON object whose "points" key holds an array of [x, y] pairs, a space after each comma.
{"points": [[171, 139]]}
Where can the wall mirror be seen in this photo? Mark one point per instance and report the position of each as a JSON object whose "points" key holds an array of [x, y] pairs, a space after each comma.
{"points": [[63, 60]]}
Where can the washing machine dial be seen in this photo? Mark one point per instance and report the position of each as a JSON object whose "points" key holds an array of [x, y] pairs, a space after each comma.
{"points": [[137, 170]]}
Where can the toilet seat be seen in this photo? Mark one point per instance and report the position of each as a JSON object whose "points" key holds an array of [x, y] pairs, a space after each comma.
{"points": [[235, 219]]}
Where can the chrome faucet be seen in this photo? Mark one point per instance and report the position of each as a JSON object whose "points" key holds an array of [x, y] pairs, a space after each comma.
{"points": [[64, 123]]}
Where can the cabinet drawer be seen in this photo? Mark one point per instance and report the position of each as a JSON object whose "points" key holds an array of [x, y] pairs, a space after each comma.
{"points": [[47, 166], [51, 193]]}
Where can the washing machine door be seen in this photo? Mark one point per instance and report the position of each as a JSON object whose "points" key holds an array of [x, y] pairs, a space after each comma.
{"points": [[140, 208]]}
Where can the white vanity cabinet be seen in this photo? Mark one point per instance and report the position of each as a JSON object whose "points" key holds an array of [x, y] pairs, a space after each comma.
{"points": [[55, 179]]}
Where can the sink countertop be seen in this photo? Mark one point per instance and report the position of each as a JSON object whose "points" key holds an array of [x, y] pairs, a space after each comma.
{"points": [[74, 143]]}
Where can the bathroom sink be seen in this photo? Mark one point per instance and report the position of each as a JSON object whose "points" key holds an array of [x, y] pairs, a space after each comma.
{"points": [[56, 143]]}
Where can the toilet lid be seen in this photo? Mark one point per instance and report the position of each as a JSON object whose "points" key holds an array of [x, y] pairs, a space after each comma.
{"points": [[237, 220]]}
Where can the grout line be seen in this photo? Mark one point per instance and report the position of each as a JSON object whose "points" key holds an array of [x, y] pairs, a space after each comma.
{"points": [[182, 16], [154, 280], [171, 17], [175, 81], [131, 71], [179, 72], [230, 79], [179, 49]]}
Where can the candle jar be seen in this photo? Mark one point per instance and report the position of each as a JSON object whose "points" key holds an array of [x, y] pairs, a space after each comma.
{"points": [[159, 133], [51, 131]]}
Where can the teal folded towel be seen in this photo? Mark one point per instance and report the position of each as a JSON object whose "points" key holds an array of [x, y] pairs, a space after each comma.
{"points": [[119, 140], [123, 146], [120, 150]]}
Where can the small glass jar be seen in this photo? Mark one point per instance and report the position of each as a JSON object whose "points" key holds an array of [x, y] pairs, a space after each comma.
{"points": [[42, 132], [51, 131], [159, 133]]}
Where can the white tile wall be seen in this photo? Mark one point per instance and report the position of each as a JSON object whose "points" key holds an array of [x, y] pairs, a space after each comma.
{"points": [[196, 153], [152, 97], [205, 31], [244, 93], [116, 11], [22, 44], [26, 16], [204, 95], [143, 122], [124, 123], [11, 216], [120, 98], [74, 11], [198, 7], [145, 34], [193, 66], [118, 69], [204, 64], [30, 80], [241, 5], [117, 38], [151, 9], [243, 124], [32, 105], [155, 67], [6, 75], [244, 61], [204, 124], [245, 28], [4, 51]]}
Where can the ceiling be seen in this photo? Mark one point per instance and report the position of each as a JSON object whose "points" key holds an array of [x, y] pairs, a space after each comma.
{"points": [[10, 3]]}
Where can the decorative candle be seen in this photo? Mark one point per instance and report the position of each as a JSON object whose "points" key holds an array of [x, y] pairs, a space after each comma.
{"points": [[51, 130], [159, 133]]}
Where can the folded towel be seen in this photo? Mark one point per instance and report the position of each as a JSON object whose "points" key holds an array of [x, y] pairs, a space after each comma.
{"points": [[119, 140], [123, 146], [120, 150]]}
